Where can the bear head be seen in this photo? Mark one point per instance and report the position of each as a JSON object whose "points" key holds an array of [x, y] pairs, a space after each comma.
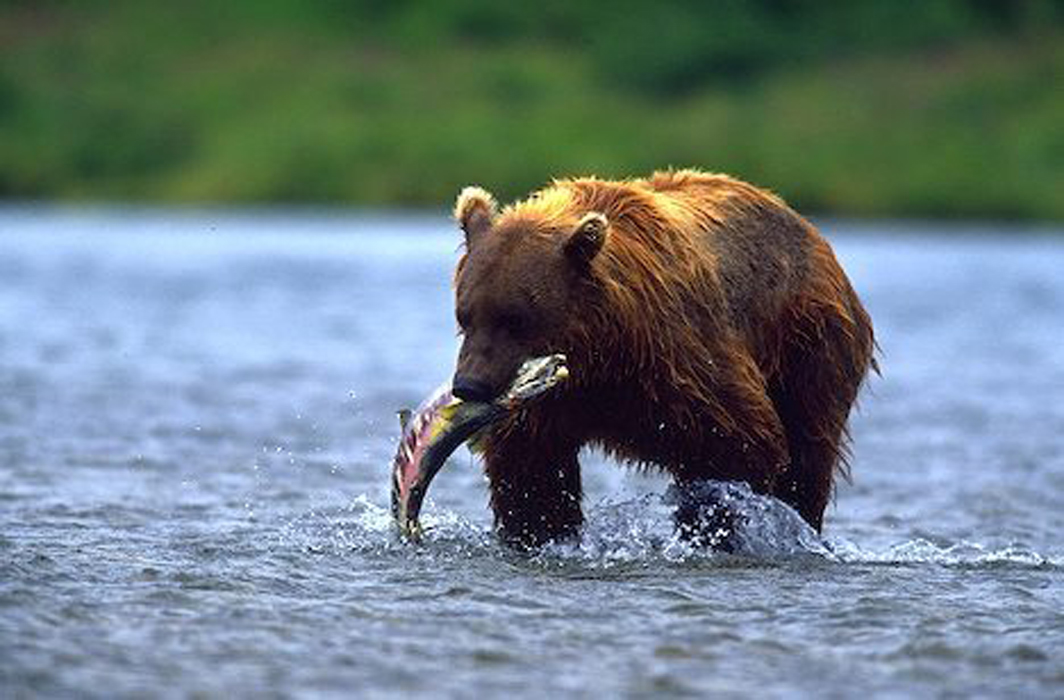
{"points": [[520, 288]]}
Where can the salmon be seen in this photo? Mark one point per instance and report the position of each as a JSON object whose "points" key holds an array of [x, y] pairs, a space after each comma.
{"points": [[432, 432]]}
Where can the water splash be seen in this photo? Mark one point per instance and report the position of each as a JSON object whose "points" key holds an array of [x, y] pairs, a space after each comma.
{"points": [[366, 527], [642, 531], [742, 522], [362, 525], [616, 532]]}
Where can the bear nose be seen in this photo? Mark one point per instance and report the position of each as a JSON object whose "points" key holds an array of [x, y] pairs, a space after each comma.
{"points": [[471, 390]]}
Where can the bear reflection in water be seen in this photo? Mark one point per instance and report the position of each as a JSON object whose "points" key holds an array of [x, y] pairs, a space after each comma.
{"points": [[710, 332]]}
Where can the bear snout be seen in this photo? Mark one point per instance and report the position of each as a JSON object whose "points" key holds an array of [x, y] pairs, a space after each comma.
{"points": [[469, 389], [486, 366]]}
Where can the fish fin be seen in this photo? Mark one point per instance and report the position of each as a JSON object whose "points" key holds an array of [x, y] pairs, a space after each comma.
{"points": [[404, 418]]}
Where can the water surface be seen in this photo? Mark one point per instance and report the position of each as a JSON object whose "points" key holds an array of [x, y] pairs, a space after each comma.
{"points": [[196, 421]]}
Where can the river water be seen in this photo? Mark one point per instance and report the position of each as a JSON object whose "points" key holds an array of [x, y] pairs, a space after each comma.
{"points": [[197, 415]]}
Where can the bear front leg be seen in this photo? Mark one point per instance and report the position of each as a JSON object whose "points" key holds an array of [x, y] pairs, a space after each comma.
{"points": [[535, 490]]}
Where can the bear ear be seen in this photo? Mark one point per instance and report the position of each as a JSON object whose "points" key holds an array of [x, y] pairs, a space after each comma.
{"points": [[587, 239], [475, 212]]}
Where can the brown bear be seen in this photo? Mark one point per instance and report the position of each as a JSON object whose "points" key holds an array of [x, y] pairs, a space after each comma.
{"points": [[709, 329]]}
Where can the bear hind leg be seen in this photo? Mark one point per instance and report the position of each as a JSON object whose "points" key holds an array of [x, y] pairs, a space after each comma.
{"points": [[822, 371]]}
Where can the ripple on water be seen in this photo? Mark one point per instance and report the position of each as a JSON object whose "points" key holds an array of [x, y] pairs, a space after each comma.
{"points": [[963, 554]]}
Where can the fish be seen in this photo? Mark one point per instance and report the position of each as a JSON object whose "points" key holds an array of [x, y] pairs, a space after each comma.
{"points": [[433, 431]]}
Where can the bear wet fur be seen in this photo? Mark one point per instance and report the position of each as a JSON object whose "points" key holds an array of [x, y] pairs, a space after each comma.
{"points": [[709, 329]]}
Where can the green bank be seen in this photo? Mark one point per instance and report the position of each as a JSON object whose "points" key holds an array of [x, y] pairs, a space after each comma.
{"points": [[933, 109]]}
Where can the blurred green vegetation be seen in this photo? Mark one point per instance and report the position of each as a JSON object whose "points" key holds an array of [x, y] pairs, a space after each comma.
{"points": [[939, 108]]}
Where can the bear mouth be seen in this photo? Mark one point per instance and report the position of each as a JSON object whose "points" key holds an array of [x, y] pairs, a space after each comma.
{"points": [[443, 422]]}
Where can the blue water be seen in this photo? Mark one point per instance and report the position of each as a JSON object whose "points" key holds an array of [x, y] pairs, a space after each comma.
{"points": [[197, 419]]}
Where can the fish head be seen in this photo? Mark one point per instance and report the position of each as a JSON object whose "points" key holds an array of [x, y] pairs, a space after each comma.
{"points": [[443, 422]]}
